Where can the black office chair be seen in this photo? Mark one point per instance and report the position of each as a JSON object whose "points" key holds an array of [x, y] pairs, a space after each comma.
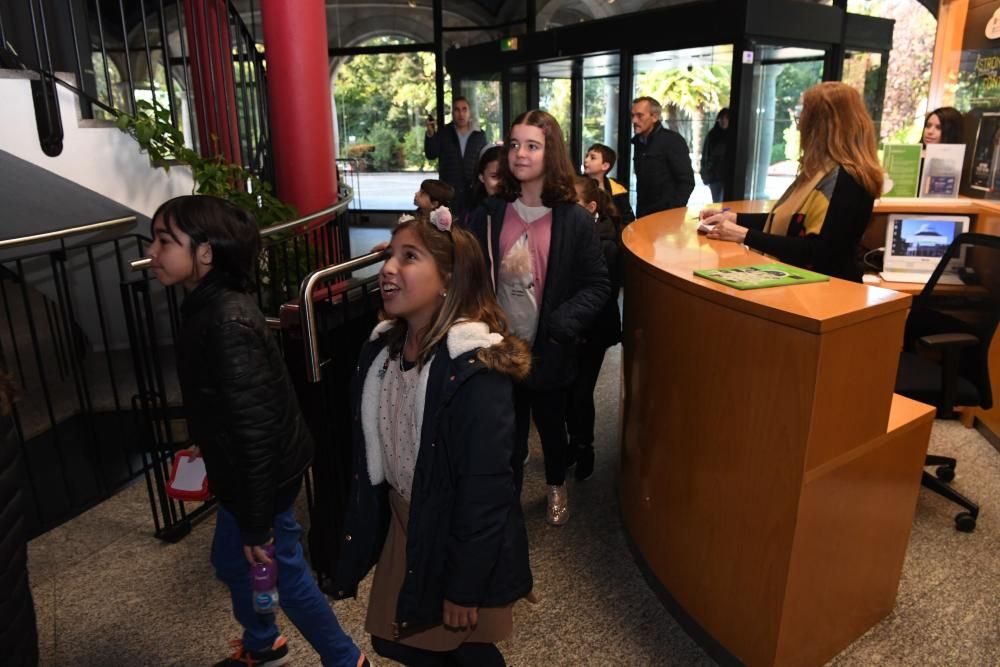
{"points": [[945, 358]]}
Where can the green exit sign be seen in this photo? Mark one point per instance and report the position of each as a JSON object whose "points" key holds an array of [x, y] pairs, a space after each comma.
{"points": [[508, 44]]}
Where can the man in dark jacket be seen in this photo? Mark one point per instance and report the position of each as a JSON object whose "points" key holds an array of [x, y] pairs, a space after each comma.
{"points": [[663, 173], [456, 147]]}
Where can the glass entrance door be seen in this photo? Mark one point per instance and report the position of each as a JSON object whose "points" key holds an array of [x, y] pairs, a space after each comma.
{"points": [[780, 76]]}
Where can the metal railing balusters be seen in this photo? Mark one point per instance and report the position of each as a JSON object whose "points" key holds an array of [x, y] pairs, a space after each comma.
{"points": [[62, 364], [43, 385], [13, 334], [175, 116], [150, 72], [128, 60], [109, 358], [104, 56], [87, 111], [189, 92]]}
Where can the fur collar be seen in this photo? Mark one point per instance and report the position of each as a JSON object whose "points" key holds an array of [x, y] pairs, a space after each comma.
{"points": [[464, 336], [509, 356]]}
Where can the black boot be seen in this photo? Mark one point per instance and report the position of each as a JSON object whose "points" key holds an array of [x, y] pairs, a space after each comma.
{"points": [[571, 457], [584, 462]]}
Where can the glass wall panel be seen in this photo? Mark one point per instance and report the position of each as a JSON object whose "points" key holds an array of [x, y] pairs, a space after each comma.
{"points": [[691, 85], [485, 104], [555, 87], [601, 89], [382, 102], [780, 76], [554, 97], [865, 72]]}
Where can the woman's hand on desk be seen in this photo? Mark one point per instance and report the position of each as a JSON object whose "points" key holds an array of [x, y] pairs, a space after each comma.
{"points": [[727, 230], [711, 216]]}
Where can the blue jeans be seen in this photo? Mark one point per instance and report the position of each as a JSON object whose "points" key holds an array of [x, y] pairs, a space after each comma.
{"points": [[298, 594]]}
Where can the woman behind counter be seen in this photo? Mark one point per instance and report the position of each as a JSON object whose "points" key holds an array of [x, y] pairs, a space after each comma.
{"points": [[819, 220]]}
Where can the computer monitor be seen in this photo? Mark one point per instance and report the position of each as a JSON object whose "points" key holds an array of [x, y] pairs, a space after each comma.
{"points": [[916, 243]]}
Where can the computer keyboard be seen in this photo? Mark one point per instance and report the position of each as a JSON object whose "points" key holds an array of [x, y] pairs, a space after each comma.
{"points": [[920, 278]]}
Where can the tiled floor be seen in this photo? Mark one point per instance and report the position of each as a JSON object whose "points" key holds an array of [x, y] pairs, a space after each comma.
{"points": [[107, 593]]}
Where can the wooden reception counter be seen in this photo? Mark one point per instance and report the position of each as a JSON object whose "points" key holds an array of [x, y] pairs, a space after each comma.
{"points": [[769, 475]]}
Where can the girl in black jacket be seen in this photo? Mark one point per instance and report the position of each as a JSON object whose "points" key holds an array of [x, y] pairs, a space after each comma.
{"points": [[550, 278], [432, 498], [242, 413], [604, 333]]}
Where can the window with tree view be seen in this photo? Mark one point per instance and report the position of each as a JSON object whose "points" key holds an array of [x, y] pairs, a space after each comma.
{"points": [[381, 103]]}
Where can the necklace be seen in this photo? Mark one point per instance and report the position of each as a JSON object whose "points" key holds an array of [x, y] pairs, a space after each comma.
{"points": [[402, 350]]}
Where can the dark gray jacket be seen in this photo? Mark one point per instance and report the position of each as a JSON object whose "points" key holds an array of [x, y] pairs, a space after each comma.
{"points": [[455, 168], [663, 173]]}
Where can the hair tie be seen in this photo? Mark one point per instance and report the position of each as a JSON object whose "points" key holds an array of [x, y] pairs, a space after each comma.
{"points": [[441, 218]]}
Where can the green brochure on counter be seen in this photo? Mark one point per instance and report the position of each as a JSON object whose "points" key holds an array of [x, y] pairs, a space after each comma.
{"points": [[757, 276], [902, 169]]}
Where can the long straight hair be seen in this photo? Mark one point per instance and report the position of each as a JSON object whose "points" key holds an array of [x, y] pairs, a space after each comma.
{"points": [[468, 296], [558, 169], [952, 124], [835, 126]]}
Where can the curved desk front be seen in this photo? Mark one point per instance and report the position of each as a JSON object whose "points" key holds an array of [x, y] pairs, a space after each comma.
{"points": [[769, 475]]}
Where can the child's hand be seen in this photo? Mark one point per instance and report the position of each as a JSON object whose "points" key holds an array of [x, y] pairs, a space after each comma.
{"points": [[256, 554], [457, 616]]}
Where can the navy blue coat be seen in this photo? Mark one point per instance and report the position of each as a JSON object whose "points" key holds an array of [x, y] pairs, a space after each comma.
{"points": [[577, 287], [466, 540]]}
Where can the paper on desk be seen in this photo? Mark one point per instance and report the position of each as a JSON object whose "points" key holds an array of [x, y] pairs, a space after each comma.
{"points": [[190, 475]]}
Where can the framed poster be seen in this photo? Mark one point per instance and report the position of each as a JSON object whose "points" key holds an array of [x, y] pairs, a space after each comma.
{"points": [[984, 157]]}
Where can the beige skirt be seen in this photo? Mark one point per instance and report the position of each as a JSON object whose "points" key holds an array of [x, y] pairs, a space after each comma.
{"points": [[495, 623]]}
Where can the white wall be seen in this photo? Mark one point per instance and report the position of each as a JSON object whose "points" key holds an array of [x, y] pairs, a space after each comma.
{"points": [[102, 159]]}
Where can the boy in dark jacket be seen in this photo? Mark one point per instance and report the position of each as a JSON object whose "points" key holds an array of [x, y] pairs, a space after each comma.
{"points": [[599, 160]]}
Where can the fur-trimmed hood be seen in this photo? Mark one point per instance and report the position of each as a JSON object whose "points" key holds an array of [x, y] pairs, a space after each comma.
{"points": [[504, 354]]}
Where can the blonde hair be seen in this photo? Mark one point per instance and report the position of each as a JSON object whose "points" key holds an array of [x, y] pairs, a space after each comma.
{"points": [[468, 295], [834, 125]]}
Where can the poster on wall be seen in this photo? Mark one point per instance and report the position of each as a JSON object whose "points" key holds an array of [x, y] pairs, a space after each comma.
{"points": [[977, 95], [979, 69], [984, 156]]}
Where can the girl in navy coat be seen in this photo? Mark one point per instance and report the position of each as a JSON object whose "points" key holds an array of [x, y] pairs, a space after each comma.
{"points": [[550, 278], [433, 499]]}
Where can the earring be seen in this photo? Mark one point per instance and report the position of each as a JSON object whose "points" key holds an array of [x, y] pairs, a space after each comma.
{"points": [[444, 293]]}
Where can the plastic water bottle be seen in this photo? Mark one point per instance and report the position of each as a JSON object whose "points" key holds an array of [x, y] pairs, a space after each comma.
{"points": [[264, 581]]}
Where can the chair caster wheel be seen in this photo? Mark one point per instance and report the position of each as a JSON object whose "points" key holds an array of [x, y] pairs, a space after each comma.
{"points": [[965, 522], [945, 473]]}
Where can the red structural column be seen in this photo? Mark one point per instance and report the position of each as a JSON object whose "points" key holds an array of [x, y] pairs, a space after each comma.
{"points": [[298, 92], [210, 50]]}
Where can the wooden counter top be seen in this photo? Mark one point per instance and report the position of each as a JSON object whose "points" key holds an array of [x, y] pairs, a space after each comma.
{"points": [[669, 245]]}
